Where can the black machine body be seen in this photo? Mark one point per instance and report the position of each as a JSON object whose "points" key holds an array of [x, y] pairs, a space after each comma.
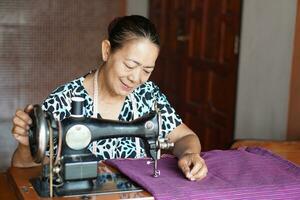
{"points": [[75, 169]]}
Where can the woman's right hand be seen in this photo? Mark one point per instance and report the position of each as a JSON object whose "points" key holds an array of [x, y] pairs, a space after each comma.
{"points": [[21, 123]]}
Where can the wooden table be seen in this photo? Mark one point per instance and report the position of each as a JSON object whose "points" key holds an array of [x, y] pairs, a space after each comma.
{"points": [[289, 150], [15, 185], [6, 191]]}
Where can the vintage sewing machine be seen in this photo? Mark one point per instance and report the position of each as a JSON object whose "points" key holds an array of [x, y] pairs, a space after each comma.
{"points": [[73, 170]]}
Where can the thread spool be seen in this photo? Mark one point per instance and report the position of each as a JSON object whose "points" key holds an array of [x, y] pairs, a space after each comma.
{"points": [[77, 106]]}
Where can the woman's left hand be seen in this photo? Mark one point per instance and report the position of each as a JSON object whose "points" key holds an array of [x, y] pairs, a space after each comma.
{"points": [[193, 166]]}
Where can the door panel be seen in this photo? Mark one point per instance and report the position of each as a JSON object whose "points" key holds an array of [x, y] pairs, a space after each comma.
{"points": [[197, 67]]}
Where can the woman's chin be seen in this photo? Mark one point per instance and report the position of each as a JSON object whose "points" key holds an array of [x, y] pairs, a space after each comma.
{"points": [[125, 92]]}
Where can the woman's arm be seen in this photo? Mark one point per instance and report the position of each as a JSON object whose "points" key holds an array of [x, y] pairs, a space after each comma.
{"points": [[22, 157], [187, 148]]}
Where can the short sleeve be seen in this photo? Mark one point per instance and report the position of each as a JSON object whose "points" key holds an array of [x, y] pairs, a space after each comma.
{"points": [[170, 119]]}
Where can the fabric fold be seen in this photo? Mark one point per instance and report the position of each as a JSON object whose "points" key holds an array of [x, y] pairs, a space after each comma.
{"points": [[246, 173]]}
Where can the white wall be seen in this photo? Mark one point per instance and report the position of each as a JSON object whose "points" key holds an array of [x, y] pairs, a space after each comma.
{"points": [[264, 69]]}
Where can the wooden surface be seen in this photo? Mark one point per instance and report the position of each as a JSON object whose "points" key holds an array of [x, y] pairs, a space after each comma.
{"points": [[6, 191], [15, 185], [289, 150]]}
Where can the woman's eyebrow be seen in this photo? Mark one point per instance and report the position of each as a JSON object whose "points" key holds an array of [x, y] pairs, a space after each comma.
{"points": [[139, 64]]}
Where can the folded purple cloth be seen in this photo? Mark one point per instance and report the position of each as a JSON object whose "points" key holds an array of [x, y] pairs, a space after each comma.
{"points": [[248, 173]]}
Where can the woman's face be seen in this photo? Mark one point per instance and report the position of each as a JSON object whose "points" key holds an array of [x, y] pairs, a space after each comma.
{"points": [[130, 66]]}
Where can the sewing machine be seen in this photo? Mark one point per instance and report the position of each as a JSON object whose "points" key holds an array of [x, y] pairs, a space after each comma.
{"points": [[73, 170]]}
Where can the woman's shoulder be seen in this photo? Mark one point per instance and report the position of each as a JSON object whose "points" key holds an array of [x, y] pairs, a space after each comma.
{"points": [[74, 86], [59, 101], [148, 86], [147, 92]]}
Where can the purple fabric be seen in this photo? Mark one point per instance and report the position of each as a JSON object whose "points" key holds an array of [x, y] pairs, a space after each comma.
{"points": [[248, 173]]}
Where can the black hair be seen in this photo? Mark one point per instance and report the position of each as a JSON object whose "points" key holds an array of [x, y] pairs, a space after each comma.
{"points": [[123, 29]]}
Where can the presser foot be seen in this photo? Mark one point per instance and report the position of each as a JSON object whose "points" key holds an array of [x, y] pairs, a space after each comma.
{"points": [[156, 171]]}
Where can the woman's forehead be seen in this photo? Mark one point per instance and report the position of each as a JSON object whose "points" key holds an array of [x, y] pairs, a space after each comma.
{"points": [[142, 50]]}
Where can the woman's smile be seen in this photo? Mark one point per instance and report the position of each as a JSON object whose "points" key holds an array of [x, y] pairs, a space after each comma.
{"points": [[126, 87]]}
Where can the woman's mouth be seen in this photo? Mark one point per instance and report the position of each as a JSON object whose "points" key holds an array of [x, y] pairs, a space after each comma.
{"points": [[126, 87]]}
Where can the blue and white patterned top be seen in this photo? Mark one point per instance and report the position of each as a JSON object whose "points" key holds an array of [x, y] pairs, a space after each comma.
{"points": [[59, 103]]}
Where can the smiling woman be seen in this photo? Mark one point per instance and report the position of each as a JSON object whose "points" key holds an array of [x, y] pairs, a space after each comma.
{"points": [[126, 69], [119, 89]]}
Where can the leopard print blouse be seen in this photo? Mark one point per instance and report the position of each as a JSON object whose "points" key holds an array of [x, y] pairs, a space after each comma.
{"points": [[59, 103]]}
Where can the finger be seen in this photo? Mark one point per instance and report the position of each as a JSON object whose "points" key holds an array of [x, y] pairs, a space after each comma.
{"points": [[185, 167], [20, 137], [196, 167], [23, 116], [28, 108], [17, 121], [16, 130], [197, 162], [200, 174]]}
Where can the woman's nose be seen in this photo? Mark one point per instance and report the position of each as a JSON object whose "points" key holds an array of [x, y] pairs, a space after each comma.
{"points": [[135, 75]]}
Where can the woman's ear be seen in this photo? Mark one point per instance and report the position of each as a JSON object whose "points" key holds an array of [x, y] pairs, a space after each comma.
{"points": [[105, 50]]}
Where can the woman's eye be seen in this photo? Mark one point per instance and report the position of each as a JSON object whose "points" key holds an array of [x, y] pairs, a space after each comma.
{"points": [[147, 72], [128, 66]]}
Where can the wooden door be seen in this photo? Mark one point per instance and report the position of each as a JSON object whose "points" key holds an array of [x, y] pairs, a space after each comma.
{"points": [[197, 67]]}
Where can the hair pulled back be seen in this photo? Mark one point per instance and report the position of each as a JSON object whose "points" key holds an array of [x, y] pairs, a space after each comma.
{"points": [[123, 29]]}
